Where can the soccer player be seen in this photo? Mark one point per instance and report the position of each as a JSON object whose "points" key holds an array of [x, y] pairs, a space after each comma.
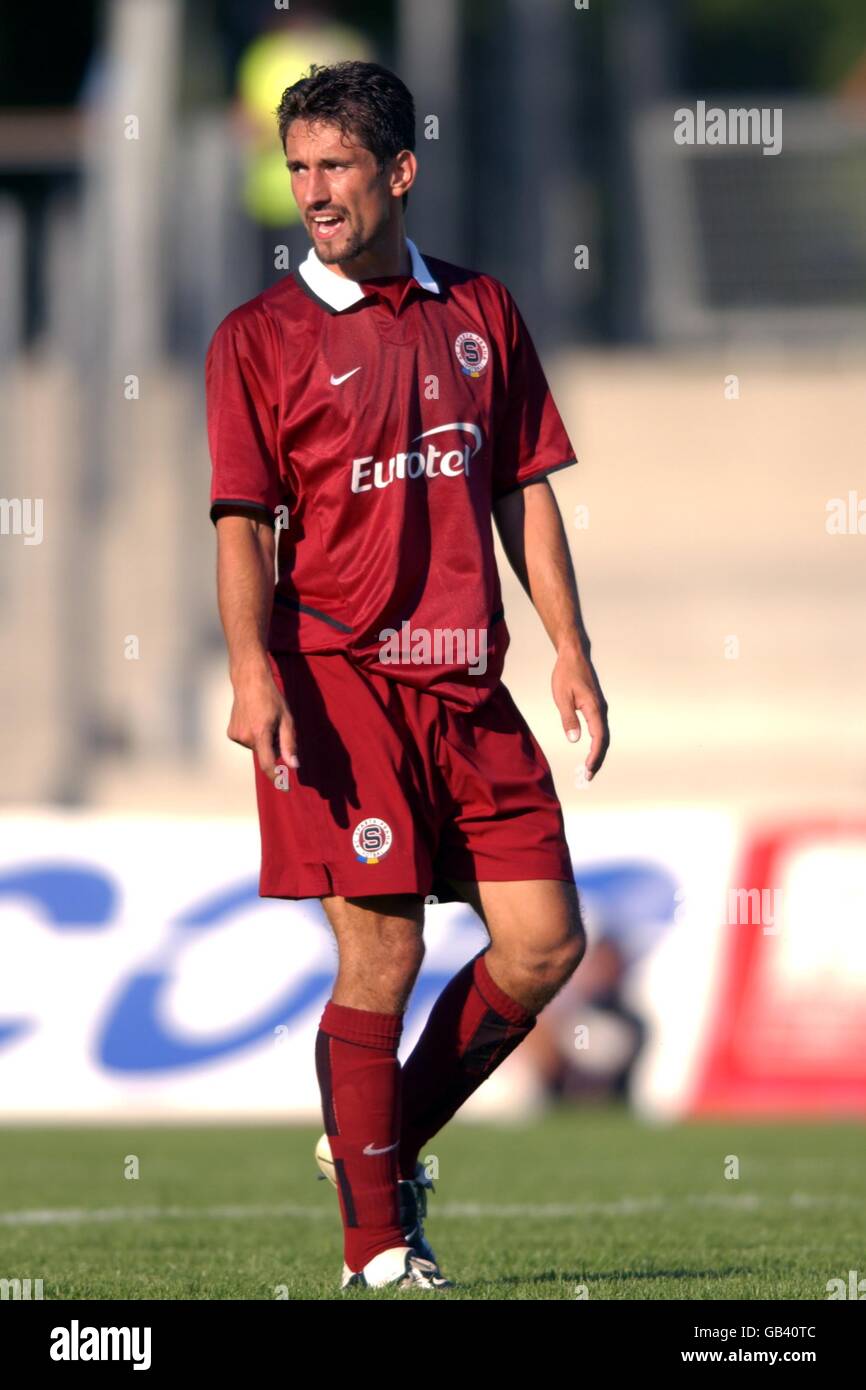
{"points": [[369, 417]]}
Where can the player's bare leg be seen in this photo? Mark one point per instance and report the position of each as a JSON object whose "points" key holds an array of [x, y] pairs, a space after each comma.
{"points": [[537, 941], [381, 946], [537, 936]]}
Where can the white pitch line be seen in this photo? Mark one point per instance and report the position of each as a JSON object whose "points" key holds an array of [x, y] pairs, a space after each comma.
{"points": [[73, 1216], [624, 1206]]}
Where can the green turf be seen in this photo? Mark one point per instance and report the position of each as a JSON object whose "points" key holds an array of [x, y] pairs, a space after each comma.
{"points": [[625, 1211]]}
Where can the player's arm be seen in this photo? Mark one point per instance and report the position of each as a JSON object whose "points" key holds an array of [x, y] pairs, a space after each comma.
{"points": [[260, 718], [533, 537]]}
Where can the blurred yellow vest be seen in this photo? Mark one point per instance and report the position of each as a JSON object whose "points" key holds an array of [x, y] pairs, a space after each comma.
{"points": [[269, 65]]}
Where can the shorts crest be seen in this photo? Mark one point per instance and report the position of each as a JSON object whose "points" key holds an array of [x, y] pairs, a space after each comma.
{"points": [[372, 840]]}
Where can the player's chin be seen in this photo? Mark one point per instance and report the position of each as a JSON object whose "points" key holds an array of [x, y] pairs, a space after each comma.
{"points": [[342, 250], [333, 247]]}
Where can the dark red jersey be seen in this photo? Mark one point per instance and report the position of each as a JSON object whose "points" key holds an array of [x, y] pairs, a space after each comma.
{"points": [[376, 424]]}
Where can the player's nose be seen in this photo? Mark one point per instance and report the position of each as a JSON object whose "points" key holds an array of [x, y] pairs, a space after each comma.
{"points": [[316, 191]]}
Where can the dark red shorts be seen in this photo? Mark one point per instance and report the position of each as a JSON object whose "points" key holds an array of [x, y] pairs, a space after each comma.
{"points": [[398, 792]]}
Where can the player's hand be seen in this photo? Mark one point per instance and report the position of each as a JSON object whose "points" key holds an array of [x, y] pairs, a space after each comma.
{"points": [[260, 720], [576, 688]]}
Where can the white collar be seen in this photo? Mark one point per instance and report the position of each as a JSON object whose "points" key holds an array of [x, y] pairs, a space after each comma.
{"points": [[340, 292]]}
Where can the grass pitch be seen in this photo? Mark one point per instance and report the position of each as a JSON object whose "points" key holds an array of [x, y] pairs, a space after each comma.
{"points": [[585, 1202]]}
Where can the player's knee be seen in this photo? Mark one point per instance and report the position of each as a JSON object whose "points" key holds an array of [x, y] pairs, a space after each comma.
{"points": [[380, 980], [566, 957], [394, 960], [577, 943], [403, 963], [573, 946], [548, 969]]}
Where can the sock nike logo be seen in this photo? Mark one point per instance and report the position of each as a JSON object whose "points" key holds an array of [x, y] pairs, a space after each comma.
{"points": [[371, 1150]]}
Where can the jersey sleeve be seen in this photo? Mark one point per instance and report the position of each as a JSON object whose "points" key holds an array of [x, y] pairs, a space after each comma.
{"points": [[531, 440], [242, 404]]}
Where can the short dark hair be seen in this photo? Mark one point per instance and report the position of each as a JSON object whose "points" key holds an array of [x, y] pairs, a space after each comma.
{"points": [[363, 99]]}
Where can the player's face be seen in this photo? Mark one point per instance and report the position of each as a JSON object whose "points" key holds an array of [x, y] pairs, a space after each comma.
{"points": [[345, 199]]}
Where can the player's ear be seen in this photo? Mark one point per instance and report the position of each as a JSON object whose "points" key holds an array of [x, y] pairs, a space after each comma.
{"points": [[404, 168]]}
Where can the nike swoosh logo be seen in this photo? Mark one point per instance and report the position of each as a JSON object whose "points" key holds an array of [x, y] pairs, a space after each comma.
{"points": [[369, 1149], [338, 380]]}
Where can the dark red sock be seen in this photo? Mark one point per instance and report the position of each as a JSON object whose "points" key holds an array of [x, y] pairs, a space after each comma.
{"points": [[359, 1078], [473, 1026]]}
